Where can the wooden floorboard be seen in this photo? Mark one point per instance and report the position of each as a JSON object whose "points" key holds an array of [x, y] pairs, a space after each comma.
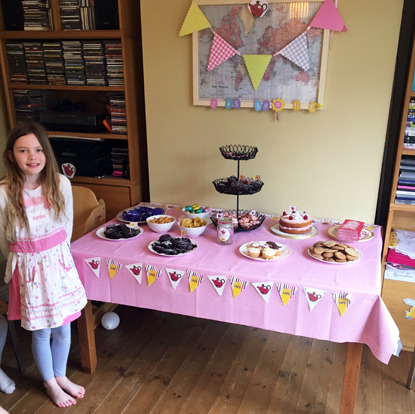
{"points": [[160, 363]]}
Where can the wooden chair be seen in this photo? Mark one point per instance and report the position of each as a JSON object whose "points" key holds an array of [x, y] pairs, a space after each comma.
{"points": [[12, 329], [88, 212], [411, 374]]}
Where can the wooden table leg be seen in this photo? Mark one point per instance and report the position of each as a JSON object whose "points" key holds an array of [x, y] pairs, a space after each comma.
{"points": [[87, 339], [351, 377]]}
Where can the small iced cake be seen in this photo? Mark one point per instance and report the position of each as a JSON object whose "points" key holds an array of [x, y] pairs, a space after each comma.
{"points": [[268, 253], [295, 222]]}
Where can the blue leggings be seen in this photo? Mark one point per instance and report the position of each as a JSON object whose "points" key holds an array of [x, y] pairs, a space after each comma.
{"points": [[51, 357]]}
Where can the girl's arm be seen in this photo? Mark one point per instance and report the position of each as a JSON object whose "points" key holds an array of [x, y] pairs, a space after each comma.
{"points": [[66, 190], [4, 244]]}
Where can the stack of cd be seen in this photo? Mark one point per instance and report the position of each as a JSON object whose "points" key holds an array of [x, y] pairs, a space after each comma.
{"points": [[17, 62], [28, 104], [94, 58], [35, 63], [118, 113], [52, 52], [74, 62], [113, 56], [37, 15], [70, 15]]}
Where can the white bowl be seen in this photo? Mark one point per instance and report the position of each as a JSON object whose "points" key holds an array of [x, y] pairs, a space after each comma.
{"points": [[191, 231], [160, 227], [203, 215]]}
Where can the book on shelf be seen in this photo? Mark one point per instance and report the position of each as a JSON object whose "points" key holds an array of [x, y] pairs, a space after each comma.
{"points": [[405, 193], [406, 187]]}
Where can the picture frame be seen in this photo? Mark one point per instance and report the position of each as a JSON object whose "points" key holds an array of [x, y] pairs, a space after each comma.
{"points": [[283, 79]]}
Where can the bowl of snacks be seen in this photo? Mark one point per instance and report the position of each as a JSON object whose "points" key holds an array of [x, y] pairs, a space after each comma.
{"points": [[161, 223], [194, 211], [192, 226]]}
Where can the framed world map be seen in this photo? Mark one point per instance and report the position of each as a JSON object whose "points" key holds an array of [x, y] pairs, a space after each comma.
{"points": [[283, 22]]}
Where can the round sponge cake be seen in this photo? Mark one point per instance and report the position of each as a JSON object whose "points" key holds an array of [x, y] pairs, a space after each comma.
{"points": [[295, 222]]}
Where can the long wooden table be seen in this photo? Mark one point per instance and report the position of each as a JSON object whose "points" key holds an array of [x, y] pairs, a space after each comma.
{"points": [[365, 321]]}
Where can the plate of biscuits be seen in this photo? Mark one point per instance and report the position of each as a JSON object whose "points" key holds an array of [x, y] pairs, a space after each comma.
{"points": [[334, 252]]}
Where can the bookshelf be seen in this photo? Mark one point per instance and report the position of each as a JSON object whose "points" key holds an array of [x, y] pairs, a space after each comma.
{"points": [[84, 84], [401, 216]]}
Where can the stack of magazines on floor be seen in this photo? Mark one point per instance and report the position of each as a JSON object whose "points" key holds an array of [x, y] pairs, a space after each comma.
{"points": [[401, 256]]}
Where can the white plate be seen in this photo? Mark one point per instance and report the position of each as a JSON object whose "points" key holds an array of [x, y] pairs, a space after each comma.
{"points": [[101, 235], [286, 251], [365, 234], [150, 247], [151, 205], [276, 229], [335, 263]]}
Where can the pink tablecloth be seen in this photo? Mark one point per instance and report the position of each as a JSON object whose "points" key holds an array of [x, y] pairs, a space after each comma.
{"points": [[366, 319]]}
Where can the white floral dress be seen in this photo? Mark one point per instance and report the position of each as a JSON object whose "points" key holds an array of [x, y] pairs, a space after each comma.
{"points": [[45, 290]]}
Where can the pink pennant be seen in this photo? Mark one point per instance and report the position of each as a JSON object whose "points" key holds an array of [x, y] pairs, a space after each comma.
{"points": [[221, 51], [328, 17]]}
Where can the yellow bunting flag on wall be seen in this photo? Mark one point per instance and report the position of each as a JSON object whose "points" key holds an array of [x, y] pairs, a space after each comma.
{"points": [[256, 66], [195, 20]]}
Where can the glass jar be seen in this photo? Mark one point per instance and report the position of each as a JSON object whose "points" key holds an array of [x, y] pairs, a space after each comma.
{"points": [[225, 230]]}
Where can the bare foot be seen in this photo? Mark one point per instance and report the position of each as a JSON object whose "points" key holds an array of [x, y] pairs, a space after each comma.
{"points": [[73, 389], [57, 394]]}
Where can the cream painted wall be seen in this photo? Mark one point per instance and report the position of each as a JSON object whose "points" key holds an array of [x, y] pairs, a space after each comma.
{"points": [[327, 163]]}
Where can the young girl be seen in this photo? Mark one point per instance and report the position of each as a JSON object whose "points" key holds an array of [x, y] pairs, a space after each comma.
{"points": [[45, 292]]}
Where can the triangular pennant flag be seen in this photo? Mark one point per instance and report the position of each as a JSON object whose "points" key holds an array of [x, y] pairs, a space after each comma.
{"points": [[264, 289], [195, 20], [328, 17], [95, 264], [136, 270], [256, 66], [286, 292], [175, 276], [220, 51], [218, 282], [341, 300], [247, 18], [152, 274], [313, 296], [238, 285], [194, 280], [113, 267], [297, 52]]}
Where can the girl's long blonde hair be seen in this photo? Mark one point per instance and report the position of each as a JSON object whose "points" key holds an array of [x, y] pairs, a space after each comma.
{"points": [[15, 178]]}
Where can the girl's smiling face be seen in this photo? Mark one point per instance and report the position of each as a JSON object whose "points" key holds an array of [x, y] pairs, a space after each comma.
{"points": [[29, 156]]}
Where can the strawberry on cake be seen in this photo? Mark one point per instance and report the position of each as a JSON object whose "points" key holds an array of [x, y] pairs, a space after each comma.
{"points": [[295, 222]]}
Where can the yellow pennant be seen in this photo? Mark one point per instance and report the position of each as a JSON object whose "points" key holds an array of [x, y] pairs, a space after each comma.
{"points": [[236, 289], [285, 295], [342, 304], [193, 282], [151, 276], [112, 270], [195, 20]]}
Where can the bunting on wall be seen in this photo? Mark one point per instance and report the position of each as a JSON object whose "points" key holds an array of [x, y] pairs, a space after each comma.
{"points": [[327, 17]]}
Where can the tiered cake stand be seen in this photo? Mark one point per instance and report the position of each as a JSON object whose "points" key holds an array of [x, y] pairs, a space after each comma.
{"points": [[234, 185]]}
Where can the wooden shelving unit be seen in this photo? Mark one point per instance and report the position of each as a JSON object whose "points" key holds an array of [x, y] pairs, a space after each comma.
{"points": [[118, 193], [401, 216]]}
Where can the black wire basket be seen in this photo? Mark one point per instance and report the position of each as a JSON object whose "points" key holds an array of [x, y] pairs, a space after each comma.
{"points": [[232, 185], [238, 152], [237, 226]]}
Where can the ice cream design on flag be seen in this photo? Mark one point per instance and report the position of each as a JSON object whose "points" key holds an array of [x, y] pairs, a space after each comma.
{"points": [[218, 282], [313, 296], [238, 285], [136, 270], [411, 313], [286, 292], [341, 300], [264, 289], [175, 276], [94, 264], [152, 274], [194, 280], [113, 267]]}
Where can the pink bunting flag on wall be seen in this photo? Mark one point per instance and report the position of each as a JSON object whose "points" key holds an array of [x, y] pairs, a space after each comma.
{"points": [[297, 51], [221, 51], [328, 17]]}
